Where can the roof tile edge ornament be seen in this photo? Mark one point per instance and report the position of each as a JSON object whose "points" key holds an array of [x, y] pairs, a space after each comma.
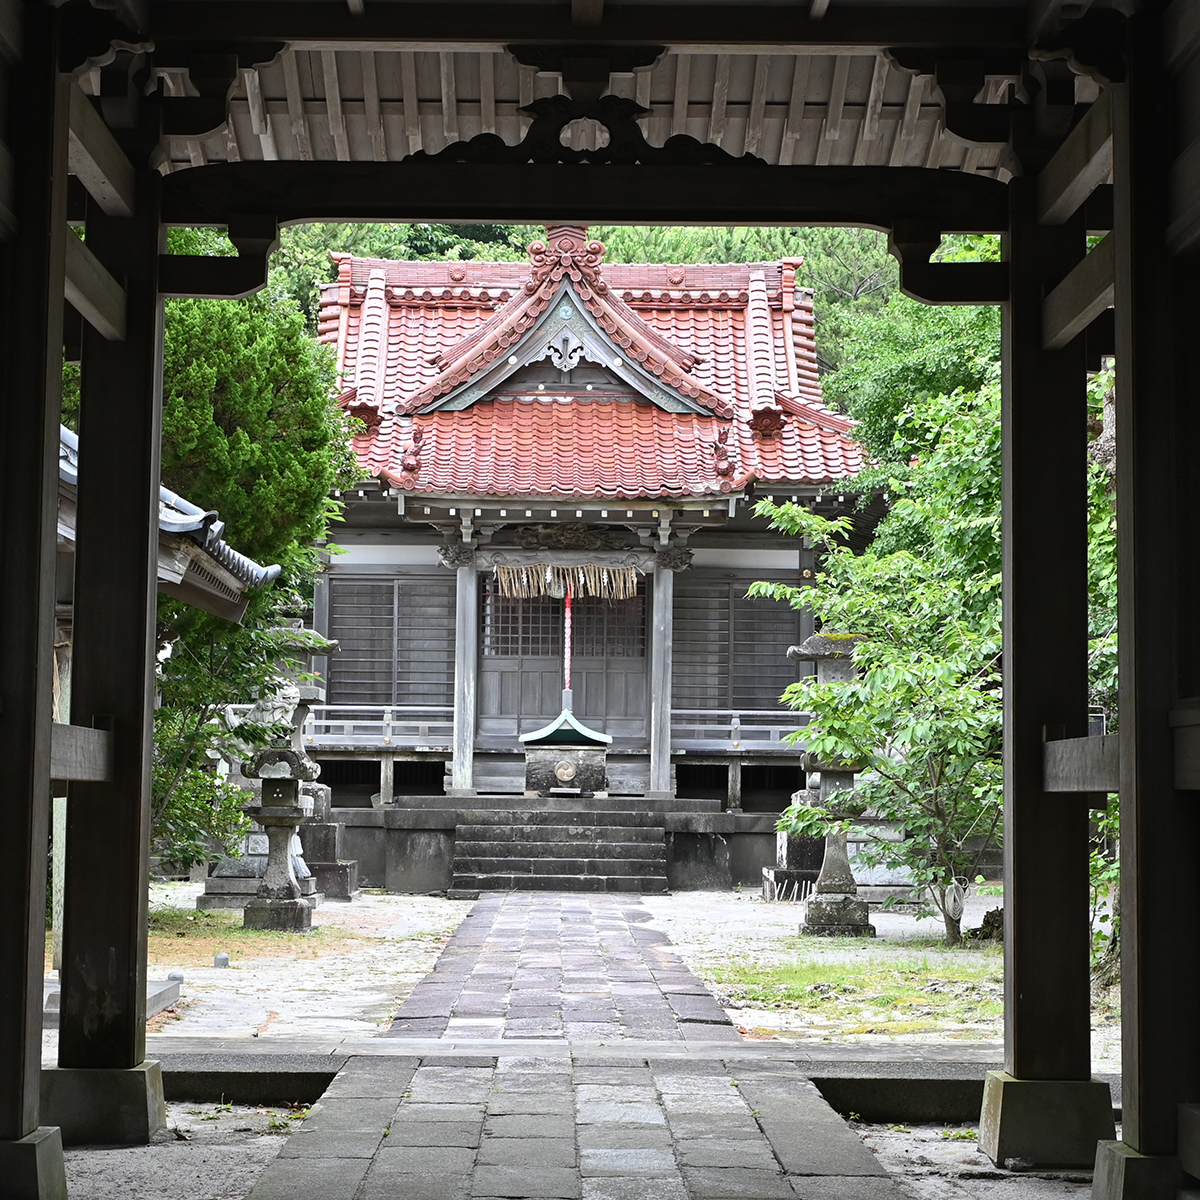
{"points": [[567, 253], [627, 144], [364, 410]]}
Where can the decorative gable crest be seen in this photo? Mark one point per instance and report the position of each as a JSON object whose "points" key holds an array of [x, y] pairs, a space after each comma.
{"points": [[566, 311]]}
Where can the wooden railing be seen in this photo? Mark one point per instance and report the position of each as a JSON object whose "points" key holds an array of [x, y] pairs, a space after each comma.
{"points": [[720, 729], [412, 726]]}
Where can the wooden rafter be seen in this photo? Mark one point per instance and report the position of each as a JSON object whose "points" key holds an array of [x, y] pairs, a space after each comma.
{"points": [[333, 105]]}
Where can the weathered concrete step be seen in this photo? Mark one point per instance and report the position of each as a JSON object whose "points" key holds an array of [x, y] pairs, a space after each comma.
{"points": [[648, 884], [585, 804], [525, 816], [516, 865], [464, 848], [625, 834]]}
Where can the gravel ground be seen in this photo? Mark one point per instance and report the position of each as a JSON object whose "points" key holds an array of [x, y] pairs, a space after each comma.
{"points": [[930, 1165], [207, 1152], [212, 1152]]}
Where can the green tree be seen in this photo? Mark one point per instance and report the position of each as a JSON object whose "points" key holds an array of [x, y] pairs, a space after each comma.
{"points": [[249, 429], [922, 719]]}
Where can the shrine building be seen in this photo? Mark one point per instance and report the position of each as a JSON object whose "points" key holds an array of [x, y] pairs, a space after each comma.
{"points": [[567, 425]]}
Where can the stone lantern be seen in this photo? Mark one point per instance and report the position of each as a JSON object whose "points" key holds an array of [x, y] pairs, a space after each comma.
{"points": [[279, 903], [834, 909]]}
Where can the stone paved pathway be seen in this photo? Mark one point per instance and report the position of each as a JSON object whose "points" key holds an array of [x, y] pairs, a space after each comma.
{"points": [[561, 965], [580, 1121]]}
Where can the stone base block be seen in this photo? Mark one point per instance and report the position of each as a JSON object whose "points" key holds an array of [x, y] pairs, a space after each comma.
{"points": [[289, 916], [237, 901], [99, 1106], [836, 914], [1124, 1174], [1047, 1122], [336, 880], [32, 1167], [783, 883], [160, 994]]}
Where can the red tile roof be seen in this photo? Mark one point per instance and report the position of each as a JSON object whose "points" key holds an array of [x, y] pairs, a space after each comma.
{"points": [[734, 342]]}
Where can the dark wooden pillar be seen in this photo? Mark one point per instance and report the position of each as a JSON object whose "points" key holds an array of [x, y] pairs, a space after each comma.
{"points": [[31, 306], [1044, 1106], [104, 926], [1158, 514], [1047, 1023]]}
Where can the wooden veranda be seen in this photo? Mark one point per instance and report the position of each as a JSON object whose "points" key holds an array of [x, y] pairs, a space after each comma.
{"points": [[1042, 121]]}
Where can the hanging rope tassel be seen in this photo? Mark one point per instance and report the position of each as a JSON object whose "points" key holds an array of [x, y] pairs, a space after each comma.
{"points": [[546, 579]]}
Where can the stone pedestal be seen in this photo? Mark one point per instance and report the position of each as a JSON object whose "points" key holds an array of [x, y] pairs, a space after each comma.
{"points": [[797, 864], [100, 1106], [566, 770], [32, 1167], [1123, 1174], [335, 878], [835, 909], [1046, 1122]]}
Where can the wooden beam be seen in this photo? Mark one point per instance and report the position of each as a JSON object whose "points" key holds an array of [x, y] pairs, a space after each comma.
{"points": [[1081, 164], [1185, 722], [683, 78], [1076, 302], [873, 197], [837, 96], [96, 295], [587, 12], [1181, 26], [794, 123], [1083, 764], [95, 158], [879, 74], [758, 104], [906, 130], [716, 114], [260, 120], [449, 96], [295, 106], [412, 109], [78, 752], [487, 92], [371, 107], [956, 282], [198, 276], [724, 27], [333, 105]]}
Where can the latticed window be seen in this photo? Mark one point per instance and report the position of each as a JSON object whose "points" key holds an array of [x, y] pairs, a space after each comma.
{"points": [[610, 628], [532, 627], [520, 627]]}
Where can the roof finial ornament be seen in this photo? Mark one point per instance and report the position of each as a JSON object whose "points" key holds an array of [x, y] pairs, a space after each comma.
{"points": [[566, 251]]}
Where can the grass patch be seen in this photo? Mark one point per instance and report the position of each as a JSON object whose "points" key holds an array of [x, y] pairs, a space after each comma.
{"points": [[893, 995], [189, 937]]}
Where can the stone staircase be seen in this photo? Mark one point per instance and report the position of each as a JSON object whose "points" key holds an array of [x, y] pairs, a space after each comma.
{"points": [[566, 849]]}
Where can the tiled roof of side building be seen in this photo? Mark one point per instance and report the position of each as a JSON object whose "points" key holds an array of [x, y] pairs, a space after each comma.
{"points": [[733, 343]]}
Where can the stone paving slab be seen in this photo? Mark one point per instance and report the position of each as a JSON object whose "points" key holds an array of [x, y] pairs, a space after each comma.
{"points": [[667, 1104], [560, 966], [603, 1129]]}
